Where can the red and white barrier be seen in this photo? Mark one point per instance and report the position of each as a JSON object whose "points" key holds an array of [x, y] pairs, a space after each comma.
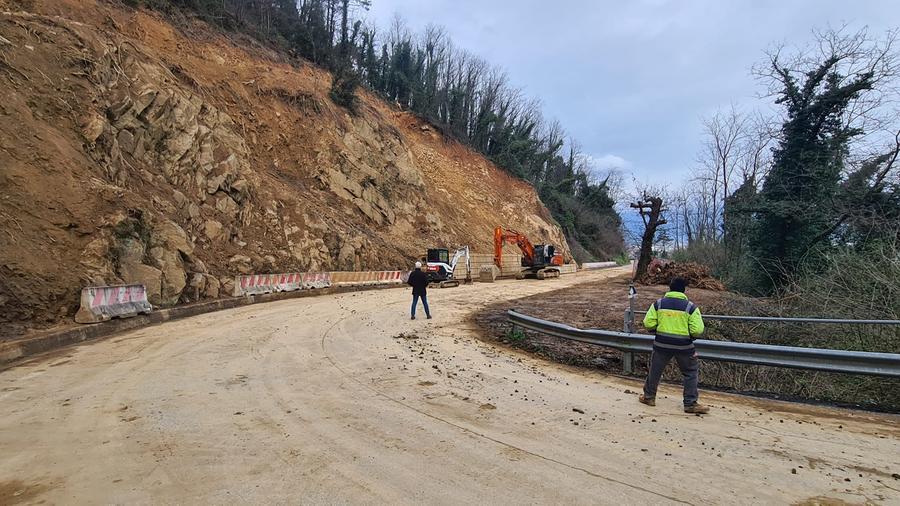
{"points": [[102, 303], [316, 280], [365, 278], [288, 282], [256, 284], [390, 277]]}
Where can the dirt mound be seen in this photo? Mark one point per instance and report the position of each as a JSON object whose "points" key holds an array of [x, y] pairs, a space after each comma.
{"points": [[662, 272], [137, 151]]}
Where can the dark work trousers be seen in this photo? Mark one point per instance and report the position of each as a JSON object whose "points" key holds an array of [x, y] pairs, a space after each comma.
{"points": [[424, 303], [689, 366]]}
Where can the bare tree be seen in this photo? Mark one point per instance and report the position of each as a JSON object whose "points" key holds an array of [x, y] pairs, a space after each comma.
{"points": [[755, 150], [650, 207], [725, 131]]}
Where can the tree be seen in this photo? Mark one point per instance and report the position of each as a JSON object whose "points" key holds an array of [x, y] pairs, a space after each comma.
{"points": [[725, 132], [344, 77], [797, 208], [650, 208]]}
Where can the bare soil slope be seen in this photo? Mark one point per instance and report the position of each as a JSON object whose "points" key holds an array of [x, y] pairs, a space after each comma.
{"points": [[133, 150]]}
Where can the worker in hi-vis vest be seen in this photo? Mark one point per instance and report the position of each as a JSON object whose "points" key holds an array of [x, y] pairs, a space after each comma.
{"points": [[676, 322]]}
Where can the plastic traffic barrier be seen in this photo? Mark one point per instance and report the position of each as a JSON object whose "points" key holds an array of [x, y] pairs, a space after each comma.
{"points": [[102, 303], [316, 280], [257, 284], [364, 278]]}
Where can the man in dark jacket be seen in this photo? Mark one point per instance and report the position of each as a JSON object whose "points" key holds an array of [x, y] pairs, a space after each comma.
{"points": [[418, 280], [676, 322]]}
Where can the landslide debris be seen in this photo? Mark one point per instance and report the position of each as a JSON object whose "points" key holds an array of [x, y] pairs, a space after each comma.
{"points": [[135, 151], [662, 272]]}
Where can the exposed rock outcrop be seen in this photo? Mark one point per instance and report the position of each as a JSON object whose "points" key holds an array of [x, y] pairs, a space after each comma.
{"points": [[134, 153]]}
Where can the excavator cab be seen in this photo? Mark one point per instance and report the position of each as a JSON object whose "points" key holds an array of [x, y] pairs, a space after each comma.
{"points": [[544, 255], [438, 255]]}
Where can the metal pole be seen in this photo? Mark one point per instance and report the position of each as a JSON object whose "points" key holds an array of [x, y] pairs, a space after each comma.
{"points": [[628, 357], [629, 313]]}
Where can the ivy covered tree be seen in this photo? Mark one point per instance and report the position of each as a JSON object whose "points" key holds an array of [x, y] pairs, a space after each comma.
{"points": [[800, 204]]}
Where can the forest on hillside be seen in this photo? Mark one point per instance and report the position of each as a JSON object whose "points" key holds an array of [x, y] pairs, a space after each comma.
{"points": [[798, 197], [462, 95]]}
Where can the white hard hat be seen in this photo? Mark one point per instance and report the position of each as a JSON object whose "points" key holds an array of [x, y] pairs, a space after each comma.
{"points": [[418, 265]]}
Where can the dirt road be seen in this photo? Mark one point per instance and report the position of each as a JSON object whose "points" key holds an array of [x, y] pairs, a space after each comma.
{"points": [[343, 399]]}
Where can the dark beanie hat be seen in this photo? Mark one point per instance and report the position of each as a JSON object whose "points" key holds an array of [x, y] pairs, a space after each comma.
{"points": [[678, 285]]}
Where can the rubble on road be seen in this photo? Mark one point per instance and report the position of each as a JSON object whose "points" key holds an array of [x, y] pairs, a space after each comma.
{"points": [[662, 272]]}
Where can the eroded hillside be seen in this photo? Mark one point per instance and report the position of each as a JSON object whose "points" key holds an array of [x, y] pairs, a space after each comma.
{"points": [[135, 151]]}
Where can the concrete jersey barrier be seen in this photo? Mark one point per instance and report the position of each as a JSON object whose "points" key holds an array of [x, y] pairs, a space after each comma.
{"points": [[598, 265], [568, 268], [102, 303]]}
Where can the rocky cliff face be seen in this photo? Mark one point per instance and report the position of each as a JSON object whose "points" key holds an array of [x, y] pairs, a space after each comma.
{"points": [[133, 151]]}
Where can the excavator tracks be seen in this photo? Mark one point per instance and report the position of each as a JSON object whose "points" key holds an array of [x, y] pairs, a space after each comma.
{"points": [[547, 273]]}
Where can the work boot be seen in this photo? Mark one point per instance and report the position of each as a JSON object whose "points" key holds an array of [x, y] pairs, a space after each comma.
{"points": [[697, 409], [650, 401]]}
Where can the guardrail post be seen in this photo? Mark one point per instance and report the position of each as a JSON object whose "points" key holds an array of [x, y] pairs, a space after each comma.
{"points": [[629, 321], [629, 313], [628, 362]]}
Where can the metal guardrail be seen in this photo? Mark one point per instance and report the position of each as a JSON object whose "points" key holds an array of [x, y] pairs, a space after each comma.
{"points": [[778, 319], [816, 359]]}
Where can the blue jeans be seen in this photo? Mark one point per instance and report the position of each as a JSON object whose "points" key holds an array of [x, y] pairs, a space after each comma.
{"points": [[424, 303]]}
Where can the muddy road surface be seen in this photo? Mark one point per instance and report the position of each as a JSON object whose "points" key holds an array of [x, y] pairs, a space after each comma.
{"points": [[343, 399]]}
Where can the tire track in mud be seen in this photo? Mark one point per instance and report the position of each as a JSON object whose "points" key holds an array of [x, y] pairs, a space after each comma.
{"points": [[332, 360]]}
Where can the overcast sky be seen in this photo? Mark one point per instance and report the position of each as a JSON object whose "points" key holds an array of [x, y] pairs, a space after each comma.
{"points": [[631, 80]]}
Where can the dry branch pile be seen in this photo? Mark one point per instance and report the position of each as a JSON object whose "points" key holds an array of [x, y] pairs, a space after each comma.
{"points": [[661, 272]]}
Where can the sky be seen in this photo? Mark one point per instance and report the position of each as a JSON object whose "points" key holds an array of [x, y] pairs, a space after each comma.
{"points": [[631, 80]]}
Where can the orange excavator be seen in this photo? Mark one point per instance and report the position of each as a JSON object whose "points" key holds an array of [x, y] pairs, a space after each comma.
{"points": [[540, 261]]}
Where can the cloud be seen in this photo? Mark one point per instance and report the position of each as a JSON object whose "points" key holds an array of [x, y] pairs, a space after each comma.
{"points": [[607, 162], [631, 80]]}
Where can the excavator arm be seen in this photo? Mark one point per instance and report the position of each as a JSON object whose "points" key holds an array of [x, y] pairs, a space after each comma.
{"points": [[502, 237], [461, 252]]}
